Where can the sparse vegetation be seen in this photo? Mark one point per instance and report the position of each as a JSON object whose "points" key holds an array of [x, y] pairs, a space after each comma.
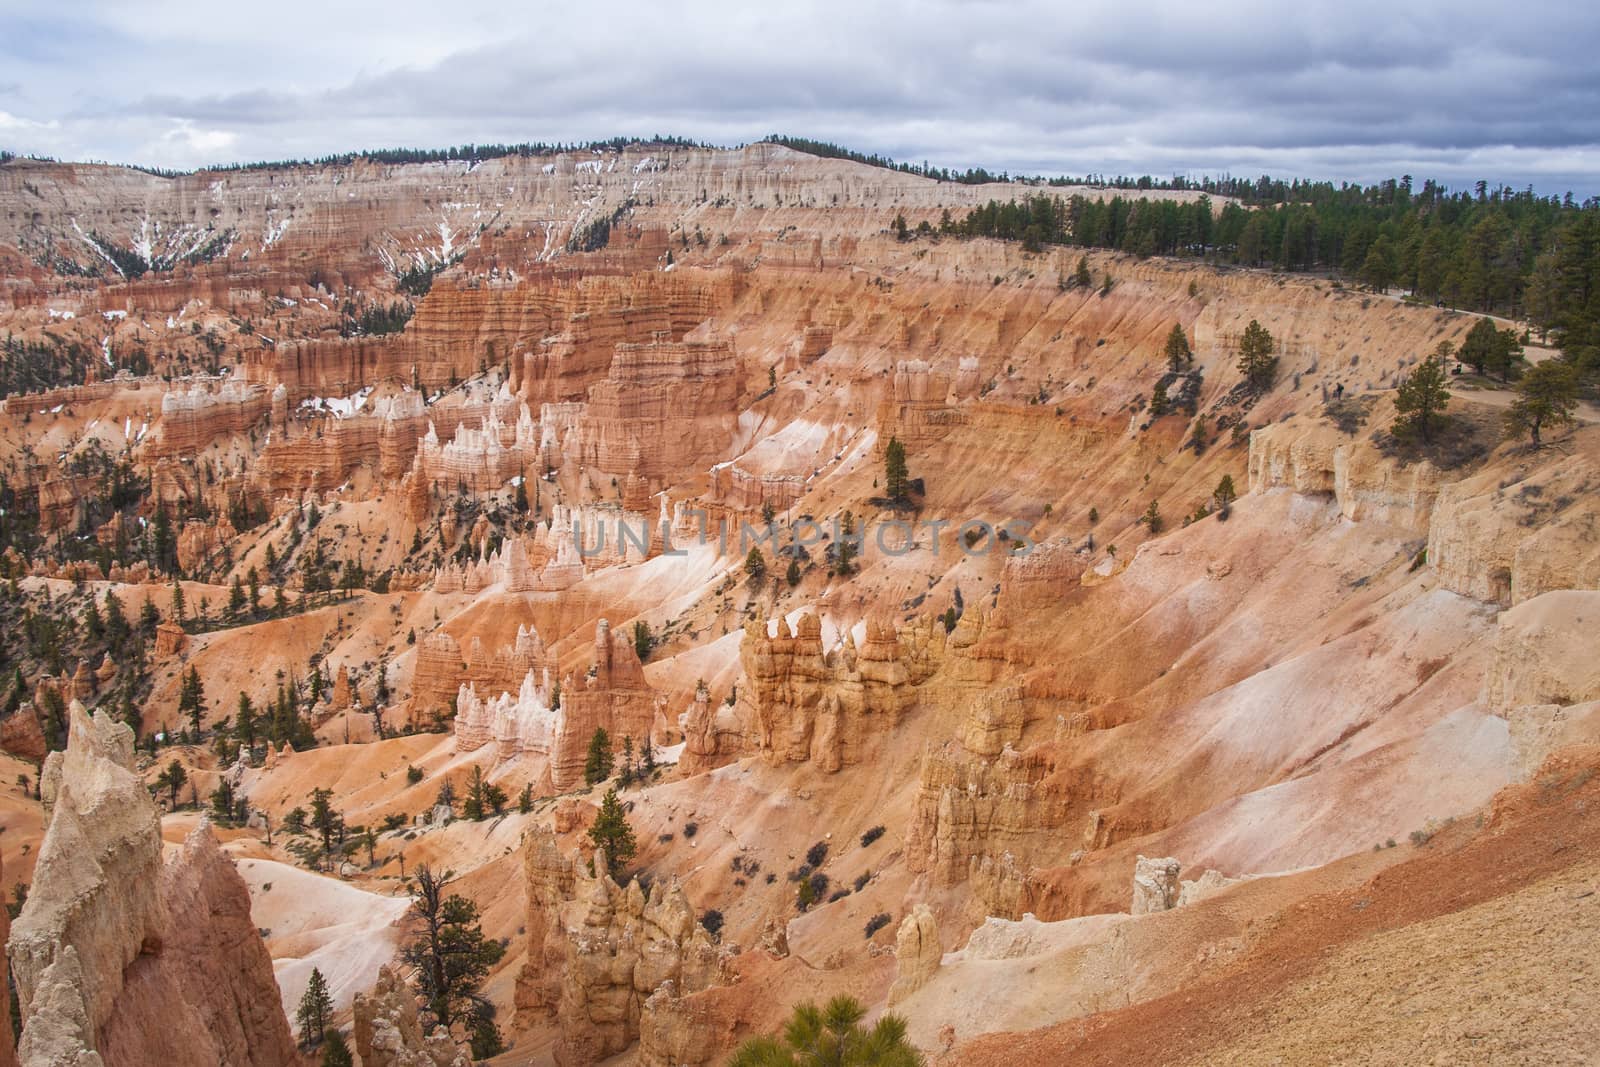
{"points": [[832, 1034]]}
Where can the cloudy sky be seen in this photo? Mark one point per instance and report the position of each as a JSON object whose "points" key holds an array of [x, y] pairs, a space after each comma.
{"points": [[1356, 90]]}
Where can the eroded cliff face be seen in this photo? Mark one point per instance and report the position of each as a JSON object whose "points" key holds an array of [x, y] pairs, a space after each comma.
{"points": [[112, 942], [8, 1054], [1312, 456], [1509, 536], [388, 1032], [827, 708], [1216, 692], [608, 965]]}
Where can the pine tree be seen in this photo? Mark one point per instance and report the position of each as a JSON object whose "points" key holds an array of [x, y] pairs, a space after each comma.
{"points": [[1081, 277], [792, 574], [525, 800], [1159, 403], [1546, 396], [448, 950], [166, 554], [173, 779], [597, 766], [1256, 361], [1420, 402], [1223, 496], [335, 1051], [325, 821], [1480, 345], [895, 477], [1152, 518], [94, 626], [1378, 270], [236, 598], [191, 701], [832, 1034], [1179, 354], [316, 1004], [612, 833], [755, 564], [473, 807], [177, 601], [244, 722], [117, 629]]}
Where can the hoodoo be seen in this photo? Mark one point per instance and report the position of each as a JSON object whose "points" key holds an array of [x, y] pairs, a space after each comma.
{"points": [[640, 601]]}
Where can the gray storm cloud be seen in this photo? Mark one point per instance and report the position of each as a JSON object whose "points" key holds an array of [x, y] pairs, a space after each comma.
{"points": [[1353, 91]]}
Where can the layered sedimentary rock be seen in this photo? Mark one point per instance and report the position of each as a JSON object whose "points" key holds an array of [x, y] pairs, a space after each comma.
{"points": [[917, 410], [170, 639], [388, 1032], [1314, 457], [443, 668], [8, 1055], [711, 735], [520, 724], [682, 392], [744, 491], [481, 458], [1155, 885], [193, 418], [111, 945], [1544, 652], [511, 569], [598, 953], [22, 735], [199, 539], [917, 953], [611, 695], [439, 672], [392, 430], [804, 704], [1507, 540], [978, 817]]}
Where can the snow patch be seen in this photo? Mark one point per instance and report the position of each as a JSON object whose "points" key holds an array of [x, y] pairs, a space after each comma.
{"points": [[338, 407]]}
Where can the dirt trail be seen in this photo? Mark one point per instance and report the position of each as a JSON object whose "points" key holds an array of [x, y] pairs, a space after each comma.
{"points": [[1502, 399]]}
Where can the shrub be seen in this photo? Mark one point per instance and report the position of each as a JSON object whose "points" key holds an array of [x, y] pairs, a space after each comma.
{"points": [[876, 923], [817, 853], [690, 829], [871, 835], [862, 879], [712, 921], [413, 775]]}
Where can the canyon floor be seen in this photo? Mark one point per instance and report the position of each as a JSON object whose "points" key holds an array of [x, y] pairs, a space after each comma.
{"points": [[1301, 771]]}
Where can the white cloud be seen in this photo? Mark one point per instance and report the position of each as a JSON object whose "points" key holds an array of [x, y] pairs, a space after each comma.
{"points": [[1356, 89]]}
